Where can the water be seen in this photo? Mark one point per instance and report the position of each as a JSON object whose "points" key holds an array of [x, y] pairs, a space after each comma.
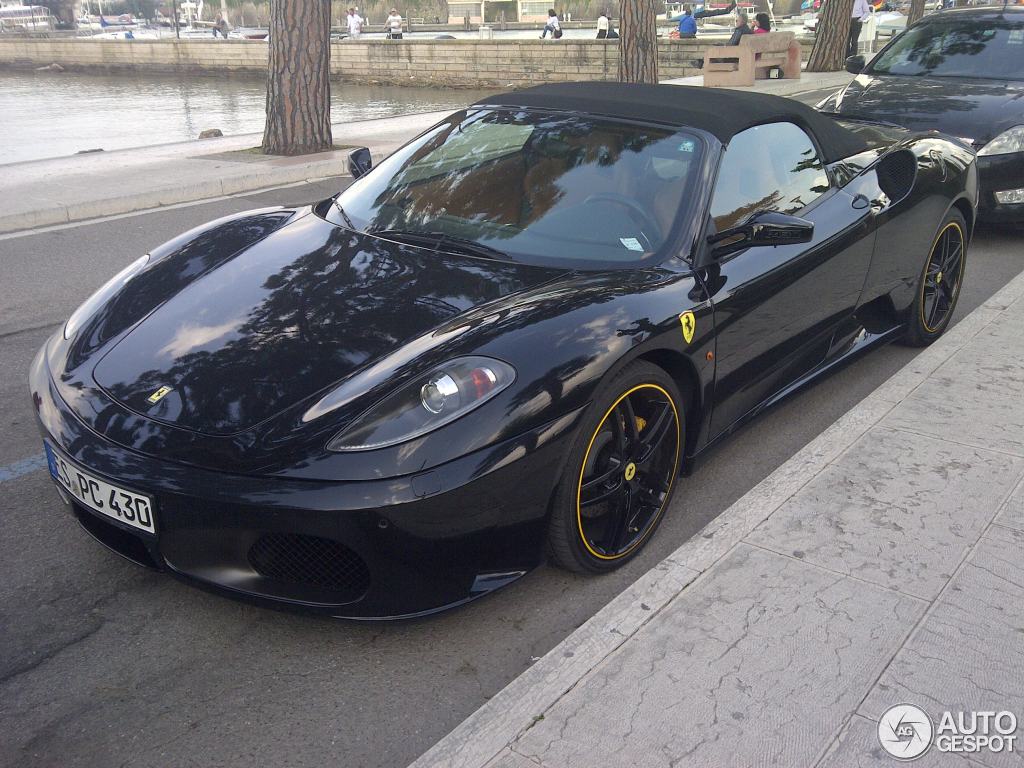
{"points": [[50, 114]]}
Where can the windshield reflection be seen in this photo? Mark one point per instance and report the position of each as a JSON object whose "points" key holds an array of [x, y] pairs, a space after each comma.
{"points": [[541, 188]]}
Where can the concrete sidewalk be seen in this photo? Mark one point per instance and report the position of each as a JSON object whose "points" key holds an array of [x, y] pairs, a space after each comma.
{"points": [[882, 564], [809, 81], [79, 187]]}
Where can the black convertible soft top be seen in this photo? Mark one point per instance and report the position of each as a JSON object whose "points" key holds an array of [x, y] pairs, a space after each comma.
{"points": [[721, 112]]}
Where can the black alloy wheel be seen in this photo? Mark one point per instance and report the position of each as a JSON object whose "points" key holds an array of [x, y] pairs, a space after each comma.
{"points": [[940, 282], [622, 474]]}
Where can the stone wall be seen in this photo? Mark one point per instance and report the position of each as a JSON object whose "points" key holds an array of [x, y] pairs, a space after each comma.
{"points": [[458, 63]]}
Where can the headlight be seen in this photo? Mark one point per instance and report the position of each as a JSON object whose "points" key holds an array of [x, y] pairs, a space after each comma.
{"points": [[109, 288], [447, 393], [1006, 142]]}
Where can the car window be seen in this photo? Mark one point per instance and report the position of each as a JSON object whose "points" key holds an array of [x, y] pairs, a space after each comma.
{"points": [[771, 167], [544, 188], [964, 47]]}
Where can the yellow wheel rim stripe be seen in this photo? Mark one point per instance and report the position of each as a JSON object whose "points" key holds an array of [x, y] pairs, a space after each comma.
{"points": [[586, 456]]}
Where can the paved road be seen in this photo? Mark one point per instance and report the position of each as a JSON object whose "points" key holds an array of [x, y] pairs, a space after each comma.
{"points": [[103, 663]]}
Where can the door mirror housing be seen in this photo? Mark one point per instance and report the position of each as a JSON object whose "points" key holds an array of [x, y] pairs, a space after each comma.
{"points": [[855, 64], [764, 228], [359, 162]]}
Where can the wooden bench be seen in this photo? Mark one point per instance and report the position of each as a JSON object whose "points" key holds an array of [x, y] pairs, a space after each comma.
{"points": [[726, 65]]}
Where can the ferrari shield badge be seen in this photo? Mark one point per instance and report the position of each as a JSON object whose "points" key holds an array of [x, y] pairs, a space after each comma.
{"points": [[689, 323], [157, 396]]}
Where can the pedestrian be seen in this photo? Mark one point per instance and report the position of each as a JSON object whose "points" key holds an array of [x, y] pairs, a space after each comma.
{"points": [[221, 26], [687, 24], [762, 24], [393, 25], [861, 13], [602, 25], [355, 24], [552, 26], [742, 28]]}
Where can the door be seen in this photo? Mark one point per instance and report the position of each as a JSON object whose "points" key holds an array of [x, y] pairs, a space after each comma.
{"points": [[776, 307]]}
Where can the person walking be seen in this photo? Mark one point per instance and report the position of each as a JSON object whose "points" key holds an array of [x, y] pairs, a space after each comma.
{"points": [[393, 25], [355, 24], [602, 25], [861, 13], [552, 26]]}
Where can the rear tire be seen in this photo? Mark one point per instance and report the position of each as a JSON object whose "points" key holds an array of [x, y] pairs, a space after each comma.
{"points": [[938, 286], [618, 480]]}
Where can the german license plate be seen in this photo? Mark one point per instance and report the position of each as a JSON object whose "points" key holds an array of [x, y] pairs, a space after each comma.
{"points": [[125, 506]]}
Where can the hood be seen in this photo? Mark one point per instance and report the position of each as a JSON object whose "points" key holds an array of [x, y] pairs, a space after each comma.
{"points": [[978, 110], [288, 317]]}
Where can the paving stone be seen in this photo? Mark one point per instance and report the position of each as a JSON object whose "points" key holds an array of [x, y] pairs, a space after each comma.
{"points": [[757, 664], [897, 509], [968, 654], [1012, 513], [858, 747], [976, 397]]}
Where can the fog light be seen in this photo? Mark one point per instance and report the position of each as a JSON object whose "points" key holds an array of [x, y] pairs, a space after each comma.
{"points": [[1010, 197]]}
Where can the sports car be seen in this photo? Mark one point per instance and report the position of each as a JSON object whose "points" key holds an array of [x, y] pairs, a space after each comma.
{"points": [[512, 339]]}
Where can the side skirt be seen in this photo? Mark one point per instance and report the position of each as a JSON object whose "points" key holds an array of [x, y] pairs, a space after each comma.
{"points": [[862, 344]]}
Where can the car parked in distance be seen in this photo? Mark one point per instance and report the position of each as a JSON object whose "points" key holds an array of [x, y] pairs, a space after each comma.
{"points": [[959, 72]]}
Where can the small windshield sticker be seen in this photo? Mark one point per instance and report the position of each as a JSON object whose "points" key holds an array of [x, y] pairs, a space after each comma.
{"points": [[1016, 37], [687, 146], [632, 243]]}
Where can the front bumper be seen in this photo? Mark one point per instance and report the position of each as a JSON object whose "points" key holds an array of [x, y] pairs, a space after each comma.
{"points": [[997, 173], [386, 548]]}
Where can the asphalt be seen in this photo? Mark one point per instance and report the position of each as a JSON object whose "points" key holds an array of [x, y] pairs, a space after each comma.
{"points": [[103, 663]]}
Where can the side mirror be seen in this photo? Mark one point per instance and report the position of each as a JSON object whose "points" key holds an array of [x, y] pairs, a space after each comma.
{"points": [[359, 162], [764, 228], [855, 64]]}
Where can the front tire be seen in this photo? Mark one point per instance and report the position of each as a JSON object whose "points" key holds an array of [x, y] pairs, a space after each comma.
{"points": [[938, 287], [621, 473]]}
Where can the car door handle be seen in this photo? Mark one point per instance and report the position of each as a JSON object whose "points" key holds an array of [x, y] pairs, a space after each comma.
{"points": [[860, 202]]}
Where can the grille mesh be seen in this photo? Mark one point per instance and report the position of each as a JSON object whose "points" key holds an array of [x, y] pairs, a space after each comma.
{"points": [[310, 560], [896, 174]]}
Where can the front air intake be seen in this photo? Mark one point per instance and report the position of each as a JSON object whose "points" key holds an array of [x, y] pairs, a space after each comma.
{"points": [[310, 560], [896, 174]]}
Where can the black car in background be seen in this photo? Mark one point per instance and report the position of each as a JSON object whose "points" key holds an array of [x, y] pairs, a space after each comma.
{"points": [[960, 72]]}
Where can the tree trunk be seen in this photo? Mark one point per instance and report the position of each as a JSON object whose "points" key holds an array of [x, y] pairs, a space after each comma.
{"points": [[638, 42], [298, 78], [916, 11], [831, 36]]}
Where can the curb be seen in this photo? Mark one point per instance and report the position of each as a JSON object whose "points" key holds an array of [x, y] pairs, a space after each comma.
{"points": [[171, 194], [498, 723]]}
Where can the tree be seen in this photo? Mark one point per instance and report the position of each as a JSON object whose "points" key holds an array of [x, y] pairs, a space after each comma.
{"points": [[298, 78], [916, 11], [831, 36], [638, 42]]}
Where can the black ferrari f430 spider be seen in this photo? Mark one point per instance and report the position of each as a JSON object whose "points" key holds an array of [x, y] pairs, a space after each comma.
{"points": [[510, 338]]}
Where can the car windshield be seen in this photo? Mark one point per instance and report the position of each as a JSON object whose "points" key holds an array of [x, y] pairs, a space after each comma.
{"points": [[537, 187], [962, 47]]}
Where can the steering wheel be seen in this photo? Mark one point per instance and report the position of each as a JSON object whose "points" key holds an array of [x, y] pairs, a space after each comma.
{"points": [[641, 216]]}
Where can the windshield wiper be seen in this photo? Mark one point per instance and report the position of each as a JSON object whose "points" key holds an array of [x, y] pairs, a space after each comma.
{"points": [[441, 241]]}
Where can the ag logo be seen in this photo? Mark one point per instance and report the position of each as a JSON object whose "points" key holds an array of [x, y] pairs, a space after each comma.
{"points": [[905, 731], [689, 323], [157, 396]]}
